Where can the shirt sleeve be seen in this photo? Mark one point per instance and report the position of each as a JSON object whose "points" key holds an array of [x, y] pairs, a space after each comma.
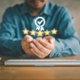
{"points": [[9, 44], [67, 43]]}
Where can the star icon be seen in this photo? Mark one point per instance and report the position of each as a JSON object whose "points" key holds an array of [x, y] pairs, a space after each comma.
{"points": [[54, 31], [25, 31], [32, 32], [40, 33], [47, 32]]}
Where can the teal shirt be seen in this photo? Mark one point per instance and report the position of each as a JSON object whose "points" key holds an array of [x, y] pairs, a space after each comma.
{"points": [[17, 22]]}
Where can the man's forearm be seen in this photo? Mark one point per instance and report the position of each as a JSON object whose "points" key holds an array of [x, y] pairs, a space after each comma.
{"points": [[65, 47], [10, 47]]}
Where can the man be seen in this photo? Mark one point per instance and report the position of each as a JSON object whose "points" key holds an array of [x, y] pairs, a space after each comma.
{"points": [[40, 29]]}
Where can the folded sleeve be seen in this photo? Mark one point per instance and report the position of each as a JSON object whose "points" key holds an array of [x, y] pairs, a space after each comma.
{"points": [[67, 42], [9, 44]]}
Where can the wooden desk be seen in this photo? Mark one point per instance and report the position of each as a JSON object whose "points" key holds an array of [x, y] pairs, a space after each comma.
{"points": [[41, 73]]}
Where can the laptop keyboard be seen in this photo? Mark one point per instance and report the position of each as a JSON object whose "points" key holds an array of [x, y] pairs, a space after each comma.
{"points": [[42, 62]]}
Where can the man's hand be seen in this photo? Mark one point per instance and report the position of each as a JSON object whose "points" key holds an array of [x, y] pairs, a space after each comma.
{"points": [[50, 39], [42, 47], [26, 44]]}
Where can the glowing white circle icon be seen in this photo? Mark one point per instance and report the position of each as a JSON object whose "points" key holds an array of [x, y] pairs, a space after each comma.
{"points": [[39, 22]]}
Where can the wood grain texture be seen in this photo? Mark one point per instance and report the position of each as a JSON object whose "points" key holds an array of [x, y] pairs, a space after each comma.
{"points": [[39, 73]]}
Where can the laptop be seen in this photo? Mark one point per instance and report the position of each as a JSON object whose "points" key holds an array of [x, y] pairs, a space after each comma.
{"points": [[42, 62]]}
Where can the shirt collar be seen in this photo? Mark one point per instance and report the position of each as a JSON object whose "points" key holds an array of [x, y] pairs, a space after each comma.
{"points": [[46, 10]]}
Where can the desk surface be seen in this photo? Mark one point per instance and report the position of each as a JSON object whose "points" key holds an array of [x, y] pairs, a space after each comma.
{"points": [[41, 73]]}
